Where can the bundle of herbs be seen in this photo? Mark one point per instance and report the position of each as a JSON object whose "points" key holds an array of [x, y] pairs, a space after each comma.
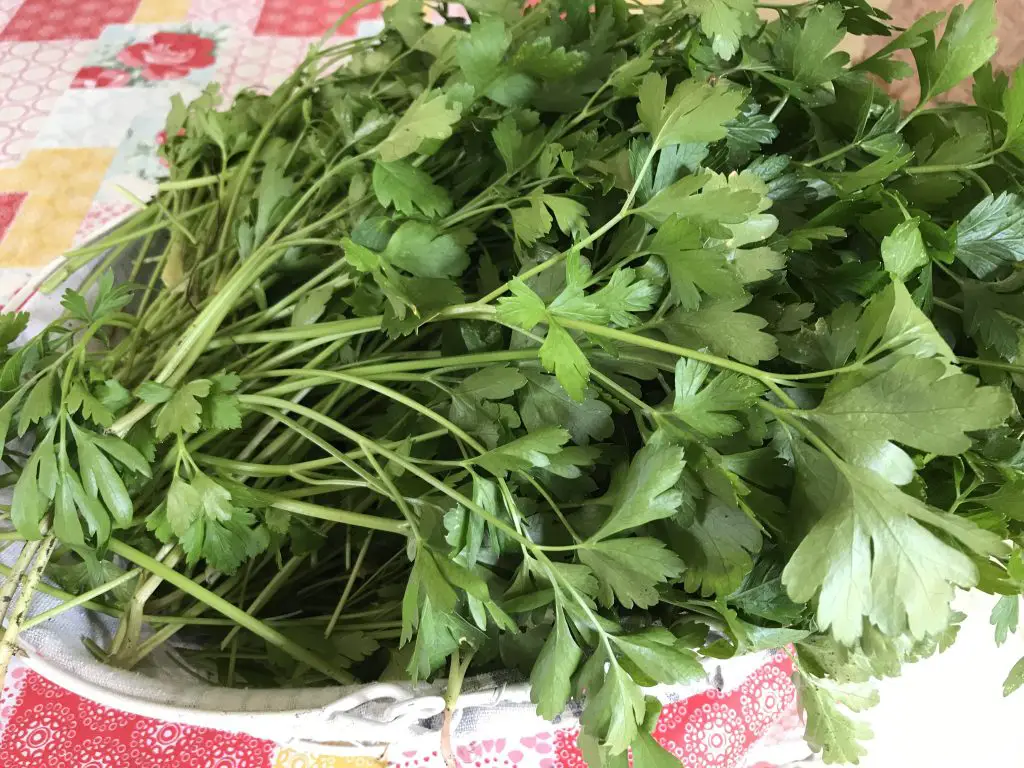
{"points": [[583, 340]]}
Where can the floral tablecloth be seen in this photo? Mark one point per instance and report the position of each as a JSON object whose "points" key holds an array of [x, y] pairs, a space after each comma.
{"points": [[85, 86]]}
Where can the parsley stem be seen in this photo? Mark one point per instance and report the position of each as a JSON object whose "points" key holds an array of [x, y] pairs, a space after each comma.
{"points": [[947, 306], [950, 168], [788, 416], [338, 329], [995, 364], [84, 599], [357, 566], [193, 183], [440, 364], [831, 155], [778, 108], [661, 346], [342, 516], [596, 235], [276, 582], [977, 179], [392, 394], [222, 606]]}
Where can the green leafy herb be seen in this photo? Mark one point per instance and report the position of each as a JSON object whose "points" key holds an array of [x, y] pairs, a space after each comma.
{"points": [[592, 342]]}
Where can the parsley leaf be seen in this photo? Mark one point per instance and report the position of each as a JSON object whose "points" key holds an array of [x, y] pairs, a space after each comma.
{"points": [[182, 411], [705, 405], [409, 189], [806, 51], [724, 21], [695, 112], [867, 537], [903, 251], [544, 401], [727, 332], [429, 118], [829, 730], [967, 43], [913, 402], [717, 549], [551, 678], [533, 450], [629, 570], [991, 235]]}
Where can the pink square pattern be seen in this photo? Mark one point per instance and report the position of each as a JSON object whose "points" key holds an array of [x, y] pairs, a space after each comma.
{"points": [[32, 77], [240, 14], [66, 19], [10, 202], [260, 62], [98, 219], [310, 18]]}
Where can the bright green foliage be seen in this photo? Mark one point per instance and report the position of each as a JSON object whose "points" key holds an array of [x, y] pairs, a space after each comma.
{"points": [[829, 729], [871, 555], [591, 343]]}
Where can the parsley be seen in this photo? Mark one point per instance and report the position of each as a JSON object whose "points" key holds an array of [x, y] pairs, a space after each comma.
{"points": [[589, 343]]}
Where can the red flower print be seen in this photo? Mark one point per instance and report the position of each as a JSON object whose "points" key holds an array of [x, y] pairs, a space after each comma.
{"points": [[161, 140], [101, 77], [168, 55]]}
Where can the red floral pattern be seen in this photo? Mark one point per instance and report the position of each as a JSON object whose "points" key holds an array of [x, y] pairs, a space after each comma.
{"points": [[101, 77], [169, 55], [55, 728]]}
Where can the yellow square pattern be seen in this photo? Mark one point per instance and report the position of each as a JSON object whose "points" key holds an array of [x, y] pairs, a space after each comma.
{"points": [[61, 184], [152, 11]]}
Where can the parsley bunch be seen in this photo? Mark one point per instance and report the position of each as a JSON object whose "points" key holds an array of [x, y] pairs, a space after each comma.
{"points": [[585, 341]]}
